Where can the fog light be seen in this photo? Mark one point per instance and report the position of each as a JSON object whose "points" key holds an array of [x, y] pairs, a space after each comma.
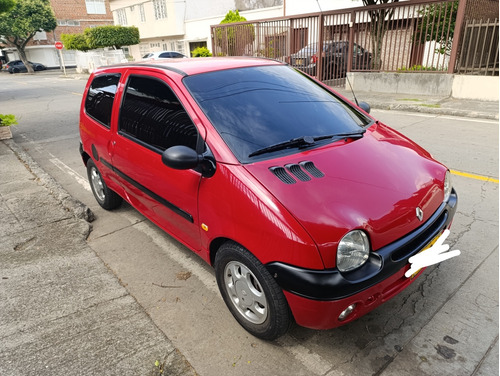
{"points": [[346, 312]]}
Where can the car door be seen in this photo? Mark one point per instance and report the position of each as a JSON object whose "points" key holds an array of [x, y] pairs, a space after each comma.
{"points": [[152, 119]]}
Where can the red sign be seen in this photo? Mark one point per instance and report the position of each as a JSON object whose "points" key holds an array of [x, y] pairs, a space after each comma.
{"points": [[59, 45]]}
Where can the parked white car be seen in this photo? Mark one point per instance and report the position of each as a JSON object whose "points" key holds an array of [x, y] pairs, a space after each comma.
{"points": [[163, 55]]}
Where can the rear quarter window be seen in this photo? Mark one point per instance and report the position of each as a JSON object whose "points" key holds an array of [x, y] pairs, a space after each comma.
{"points": [[100, 97]]}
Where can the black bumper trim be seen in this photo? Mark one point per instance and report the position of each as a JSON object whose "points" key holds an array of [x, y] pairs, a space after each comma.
{"points": [[331, 284]]}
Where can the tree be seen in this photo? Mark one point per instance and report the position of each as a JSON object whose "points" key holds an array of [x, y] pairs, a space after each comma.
{"points": [[6, 5], [379, 18], [22, 22]]}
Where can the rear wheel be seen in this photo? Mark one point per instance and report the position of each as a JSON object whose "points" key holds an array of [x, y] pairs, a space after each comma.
{"points": [[107, 198], [250, 292]]}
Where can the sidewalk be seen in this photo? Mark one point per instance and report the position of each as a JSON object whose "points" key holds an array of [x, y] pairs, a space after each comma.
{"points": [[426, 104], [63, 312]]}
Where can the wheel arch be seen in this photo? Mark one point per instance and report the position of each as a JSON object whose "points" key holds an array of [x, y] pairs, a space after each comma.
{"points": [[215, 244], [85, 155]]}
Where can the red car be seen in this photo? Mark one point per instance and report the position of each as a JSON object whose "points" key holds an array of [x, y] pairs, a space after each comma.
{"points": [[307, 207]]}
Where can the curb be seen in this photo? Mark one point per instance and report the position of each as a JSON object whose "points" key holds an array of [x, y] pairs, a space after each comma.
{"points": [[435, 111], [77, 208]]}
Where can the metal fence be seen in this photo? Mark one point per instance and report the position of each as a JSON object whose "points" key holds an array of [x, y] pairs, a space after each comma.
{"points": [[479, 48], [421, 35]]}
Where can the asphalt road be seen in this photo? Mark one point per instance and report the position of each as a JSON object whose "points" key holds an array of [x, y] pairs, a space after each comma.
{"points": [[446, 323]]}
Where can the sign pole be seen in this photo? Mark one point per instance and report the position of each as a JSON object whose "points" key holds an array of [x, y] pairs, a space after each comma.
{"points": [[59, 47]]}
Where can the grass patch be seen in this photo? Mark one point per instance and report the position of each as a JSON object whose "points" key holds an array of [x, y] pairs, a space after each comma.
{"points": [[430, 105]]}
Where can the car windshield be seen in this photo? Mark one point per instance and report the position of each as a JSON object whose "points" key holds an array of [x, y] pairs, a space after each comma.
{"points": [[253, 108], [311, 49]]}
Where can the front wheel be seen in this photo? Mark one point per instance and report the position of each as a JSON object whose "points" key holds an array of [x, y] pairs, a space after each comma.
{"points": [[250, 292], [107, 198]]}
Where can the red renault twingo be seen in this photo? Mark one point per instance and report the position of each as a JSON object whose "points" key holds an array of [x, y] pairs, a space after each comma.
{"points": [[308, 208]]}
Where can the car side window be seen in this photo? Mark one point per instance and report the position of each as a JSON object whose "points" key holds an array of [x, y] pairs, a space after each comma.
{"points": [[153, 115], [165, 54], [99, 101]]}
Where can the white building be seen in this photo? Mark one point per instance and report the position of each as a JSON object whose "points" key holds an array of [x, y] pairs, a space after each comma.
{"points": [[184, 25]]}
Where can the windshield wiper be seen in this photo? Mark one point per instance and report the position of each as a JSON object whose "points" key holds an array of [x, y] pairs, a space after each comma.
{"points": [[294, 142], [305, 141]]}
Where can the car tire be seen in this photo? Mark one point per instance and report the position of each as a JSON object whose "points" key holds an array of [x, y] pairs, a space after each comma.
{"points": [[104, 196], [15, 70], [251, 293]]}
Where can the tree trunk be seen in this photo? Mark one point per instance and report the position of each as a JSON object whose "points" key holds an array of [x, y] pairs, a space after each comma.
{"points": [[24, 59]]}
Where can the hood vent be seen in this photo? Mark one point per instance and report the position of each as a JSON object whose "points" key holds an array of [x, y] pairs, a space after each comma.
{"points": [[312, 169], [302, 171]]}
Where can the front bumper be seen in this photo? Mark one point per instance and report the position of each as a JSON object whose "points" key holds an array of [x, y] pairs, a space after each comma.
{"points": [[331, 291]]}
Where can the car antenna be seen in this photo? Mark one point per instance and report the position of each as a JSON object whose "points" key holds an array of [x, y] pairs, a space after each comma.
{"points": [[319, 6], [349, 82]]}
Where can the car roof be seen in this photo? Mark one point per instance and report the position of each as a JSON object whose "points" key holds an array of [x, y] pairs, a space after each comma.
{"points": [[191, 66]]}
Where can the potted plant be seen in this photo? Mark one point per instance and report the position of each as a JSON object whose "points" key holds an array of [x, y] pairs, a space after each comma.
{"points": [[5, 122]]}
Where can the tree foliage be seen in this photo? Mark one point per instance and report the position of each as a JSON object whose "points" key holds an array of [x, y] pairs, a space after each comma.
{"points": [[201, 52], [437, 23], [100, 37], [6, 5], [227, 37], [75, 42], [111, 36], [19, 25], [232, 17]]}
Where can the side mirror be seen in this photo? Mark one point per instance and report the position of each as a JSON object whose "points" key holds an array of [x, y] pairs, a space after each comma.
{"points": [[181, 157], [365, 107]]}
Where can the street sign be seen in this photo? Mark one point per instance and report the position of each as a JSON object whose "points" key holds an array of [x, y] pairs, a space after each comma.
{"points": [[59, 45]]}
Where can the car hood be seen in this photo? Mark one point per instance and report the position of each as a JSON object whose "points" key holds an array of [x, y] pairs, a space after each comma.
{"points": [[375, 183]]}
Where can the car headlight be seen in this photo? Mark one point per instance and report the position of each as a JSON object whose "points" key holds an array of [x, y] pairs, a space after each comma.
{"points": [[447, 186], [353, 250]]}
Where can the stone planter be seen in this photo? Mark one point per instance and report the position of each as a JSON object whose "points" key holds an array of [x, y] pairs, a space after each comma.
{"points": [[5, 133]]}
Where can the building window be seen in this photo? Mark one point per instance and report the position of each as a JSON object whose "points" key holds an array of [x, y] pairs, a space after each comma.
{"points": [[95, 6], [180, 47], [68, 23], [121, 17], [142, 13], [160, 8], [40, 35]]}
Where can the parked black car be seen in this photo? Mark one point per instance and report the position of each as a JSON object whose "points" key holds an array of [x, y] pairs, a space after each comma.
{"points": [[16, 66], [335, 54]]}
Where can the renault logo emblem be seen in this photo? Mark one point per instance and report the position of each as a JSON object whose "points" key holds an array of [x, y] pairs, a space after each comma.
{"points": [[420, 214]]}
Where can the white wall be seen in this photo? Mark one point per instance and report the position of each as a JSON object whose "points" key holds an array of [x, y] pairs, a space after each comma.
{"points": [[294, 7], [46, 55], [475, 87]]}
